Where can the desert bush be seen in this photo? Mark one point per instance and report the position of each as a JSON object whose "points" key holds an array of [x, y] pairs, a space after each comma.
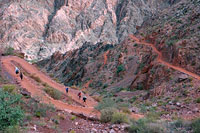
{"points": [[12, 129], [39, 109], [106, 114], [9, 51], [97, 98], [125, 110], [55, 94], [73, 117], [105, 86], [142, 126], [9, 88], [153, 115], [196, 126], [74, 87], [11, 113], [198, 100], [133, 99], [120, 68], [72, 131], [36, 78], [119, 117], [106, 103]]}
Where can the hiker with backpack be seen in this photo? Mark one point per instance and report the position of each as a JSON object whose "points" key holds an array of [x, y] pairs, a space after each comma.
{"points": [[84, 99], [16, 70], [79, 95], [21, 75], [66, 89]]}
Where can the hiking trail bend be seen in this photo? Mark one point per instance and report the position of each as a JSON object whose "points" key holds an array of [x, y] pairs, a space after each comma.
{"points": [[8, 63], [159, 58]]}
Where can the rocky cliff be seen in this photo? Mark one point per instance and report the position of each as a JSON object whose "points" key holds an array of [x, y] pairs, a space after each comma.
{"points": [[39, 28], [175, 32], [134, 70]]}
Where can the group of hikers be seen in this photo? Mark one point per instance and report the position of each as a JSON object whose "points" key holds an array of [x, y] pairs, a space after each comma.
{"points": [[17, 71], [79, 95]]}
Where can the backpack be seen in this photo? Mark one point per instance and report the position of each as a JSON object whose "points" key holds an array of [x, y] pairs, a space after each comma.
{"points": [[16, 70]]}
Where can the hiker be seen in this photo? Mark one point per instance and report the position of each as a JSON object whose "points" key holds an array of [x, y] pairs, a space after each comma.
{"points": [[67, 89], [79, 95], [16, 70], [84, 99], [21, 75]]}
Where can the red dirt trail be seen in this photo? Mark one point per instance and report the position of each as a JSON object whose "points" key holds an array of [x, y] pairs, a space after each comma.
{"points": [[159, 58], [105, 57], [36, 90], [8, 63]]}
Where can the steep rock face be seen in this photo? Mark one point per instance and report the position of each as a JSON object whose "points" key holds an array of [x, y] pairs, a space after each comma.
{"points": [[175, 32], [39, 28]]}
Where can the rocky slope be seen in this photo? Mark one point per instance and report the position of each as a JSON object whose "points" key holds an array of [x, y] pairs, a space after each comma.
{"points": [[132, 72], [176, 32], [39, 28]]}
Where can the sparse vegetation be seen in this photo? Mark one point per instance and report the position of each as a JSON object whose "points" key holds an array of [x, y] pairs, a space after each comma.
{"points": [[73, 117], [55, 94], [198, 100], [9, 88], [119, 117], [196, 126], [106, 103], [39, 110], [9, 51], [120, 68], [97, 98], [106, 114], [72, 131], [36, 78], [11, 113]]}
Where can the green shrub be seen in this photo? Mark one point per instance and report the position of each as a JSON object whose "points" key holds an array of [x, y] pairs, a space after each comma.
{"points": [[125, 110], [198, 100], [72, 131], [10, 111], [196, 126], [13, 129], [106, 114], [39, 109], [9, 88], [133, 99], [55, 94], [105, 86], [73, 117], [120, 68], [140, 86], [143, 126], [9, 51], [119, 117], [106, 103], [153, 116]]}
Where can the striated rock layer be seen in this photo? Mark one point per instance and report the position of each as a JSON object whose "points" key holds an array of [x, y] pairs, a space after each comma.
{"points": [[39, 28]]}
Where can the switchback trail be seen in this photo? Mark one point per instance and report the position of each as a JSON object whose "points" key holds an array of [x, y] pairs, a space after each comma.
{"points": [[8, 63], [160, 59], [87, 109]]}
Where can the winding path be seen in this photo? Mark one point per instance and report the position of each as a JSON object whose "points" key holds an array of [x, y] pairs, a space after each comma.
{"points": [[9, 62], [87, 109], [160, 59]]}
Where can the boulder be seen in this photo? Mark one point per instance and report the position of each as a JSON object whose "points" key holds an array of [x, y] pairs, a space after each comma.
{"points": [[182, 77]]}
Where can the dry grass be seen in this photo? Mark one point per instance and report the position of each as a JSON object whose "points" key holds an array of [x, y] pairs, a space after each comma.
{"points": [[37, 79]]}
